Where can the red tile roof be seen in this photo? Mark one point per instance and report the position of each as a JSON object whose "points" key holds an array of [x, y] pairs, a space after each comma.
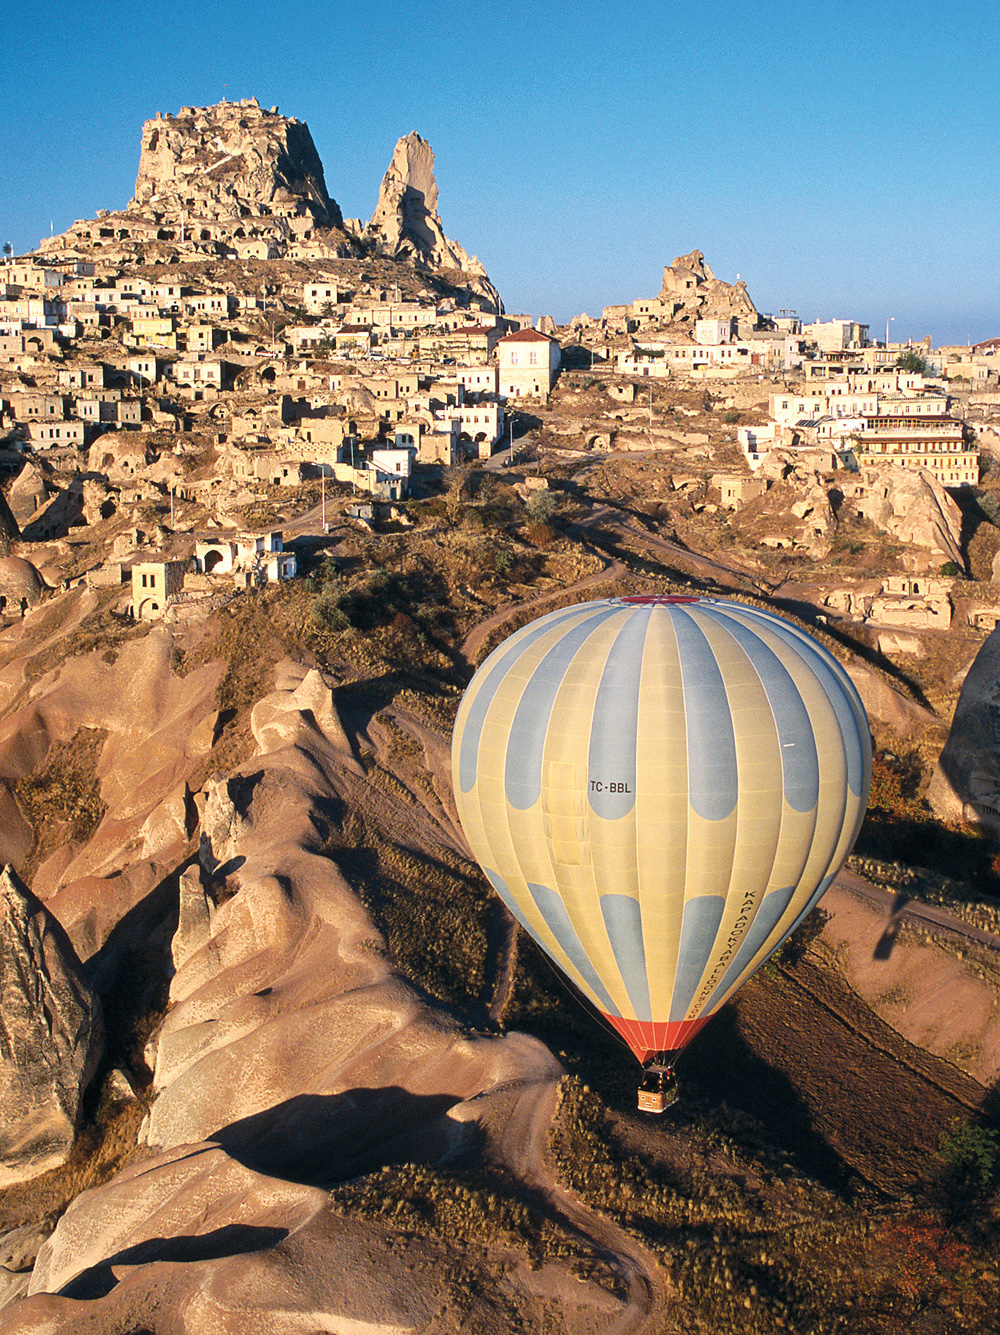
{"points": [[526, 336]]}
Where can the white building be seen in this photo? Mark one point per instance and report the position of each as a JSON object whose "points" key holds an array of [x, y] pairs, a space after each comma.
{"points": [[528, 363]]}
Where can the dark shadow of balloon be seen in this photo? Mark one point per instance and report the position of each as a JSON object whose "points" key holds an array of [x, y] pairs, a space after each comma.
{"points": [[231, 1240], [725, 1068]]}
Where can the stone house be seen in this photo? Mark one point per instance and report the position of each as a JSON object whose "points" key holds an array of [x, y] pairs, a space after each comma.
{"points": [[200, 337], [268, 466], [84, 314], [714, 331], [470, 345], [197, 373], [261, 555], [915, 613], [23, 350], [481, 424], [316, 296], [528, 362], [38, 407], [478, 379], [82, 375], [154, 330], [48, 433], [206, 303], [735, 489], [394, 466], [144, 369], [833, 335], [97, 408], [154, 583], [353, 340]]}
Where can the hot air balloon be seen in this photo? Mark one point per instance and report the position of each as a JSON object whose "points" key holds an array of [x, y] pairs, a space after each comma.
{"points": [[660, 788]]}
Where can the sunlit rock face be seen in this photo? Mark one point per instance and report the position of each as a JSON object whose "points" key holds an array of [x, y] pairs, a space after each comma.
{"points": [[50, 1035], [230, 159], [405, 224], [966, 780]]}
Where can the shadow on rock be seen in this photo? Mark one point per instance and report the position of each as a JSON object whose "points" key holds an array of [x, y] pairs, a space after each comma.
{"points": [[232, 1240], [323, 1139]]}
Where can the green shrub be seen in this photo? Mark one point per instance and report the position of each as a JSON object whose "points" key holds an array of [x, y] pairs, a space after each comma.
{"points": [[969, 1153], [540, 507]]}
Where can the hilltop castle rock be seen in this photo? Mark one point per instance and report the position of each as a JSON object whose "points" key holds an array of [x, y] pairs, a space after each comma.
{"points": [[232, 160], [237, 181], [231, 180], [690, 285]]}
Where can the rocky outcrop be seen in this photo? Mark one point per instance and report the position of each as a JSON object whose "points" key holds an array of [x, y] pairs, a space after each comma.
{"points": [[405, 224], [966, 780], [690, 284], [803, 508], [294, 1055], [230, 179], [50, 1035], [912, 506], [231, 160], [29, 492]]}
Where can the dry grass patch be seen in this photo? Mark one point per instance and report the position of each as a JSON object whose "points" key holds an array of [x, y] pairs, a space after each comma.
{"points": [[62, 799]]}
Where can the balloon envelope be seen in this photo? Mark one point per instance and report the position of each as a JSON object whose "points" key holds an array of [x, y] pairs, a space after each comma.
{"points": [[660, 789]]}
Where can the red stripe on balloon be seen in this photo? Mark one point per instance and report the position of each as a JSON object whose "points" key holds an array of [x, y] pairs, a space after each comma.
{"points": [[648, 1037]]}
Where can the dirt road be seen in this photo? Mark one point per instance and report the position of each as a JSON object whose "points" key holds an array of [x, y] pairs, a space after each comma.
{"points": [[477, 637]]}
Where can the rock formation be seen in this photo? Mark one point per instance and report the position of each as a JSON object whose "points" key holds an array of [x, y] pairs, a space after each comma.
{"points": [[20, 584], [231, 160], [690, 285], [966, 780], [912, 506], [405, 223], [236, 181], [50, 1035], [230, 179], [9, 531]]}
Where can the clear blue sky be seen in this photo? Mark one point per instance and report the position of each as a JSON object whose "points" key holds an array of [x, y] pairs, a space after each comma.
{"points": [[842, 159]]}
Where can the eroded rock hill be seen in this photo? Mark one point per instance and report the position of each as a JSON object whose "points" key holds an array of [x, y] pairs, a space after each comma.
{"points": [[238, 181], [229, 159], [692, 286]]}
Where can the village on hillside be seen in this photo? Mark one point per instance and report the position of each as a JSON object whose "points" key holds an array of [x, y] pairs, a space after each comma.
{"points": [[276, 485], [174, 366]]}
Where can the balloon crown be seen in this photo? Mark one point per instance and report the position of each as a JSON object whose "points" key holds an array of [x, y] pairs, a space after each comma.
{"points": [[659, 599]]}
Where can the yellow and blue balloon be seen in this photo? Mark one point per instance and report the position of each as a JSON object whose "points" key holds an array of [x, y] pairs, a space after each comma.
{"points": [[660, 788]]}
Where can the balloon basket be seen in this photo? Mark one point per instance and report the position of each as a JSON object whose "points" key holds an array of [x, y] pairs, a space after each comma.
{"points": [[658, 1089]]}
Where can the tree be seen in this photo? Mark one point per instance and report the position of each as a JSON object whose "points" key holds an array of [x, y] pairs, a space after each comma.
{"points": [[911, 360], [8, 250]]}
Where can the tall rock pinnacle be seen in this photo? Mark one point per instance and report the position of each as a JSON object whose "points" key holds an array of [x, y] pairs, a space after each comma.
{"points": [[405, 222]]}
